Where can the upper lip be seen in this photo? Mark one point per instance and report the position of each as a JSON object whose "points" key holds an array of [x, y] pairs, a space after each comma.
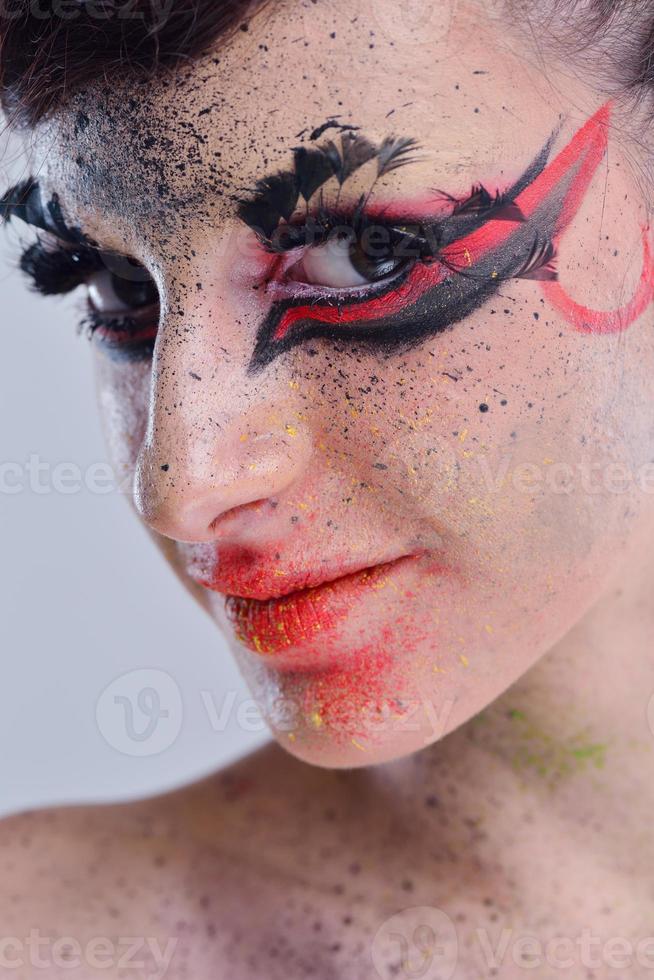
{"points": [[249, 575]]}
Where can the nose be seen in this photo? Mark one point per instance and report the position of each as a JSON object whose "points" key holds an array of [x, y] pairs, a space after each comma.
{"points": [[217, 438]]}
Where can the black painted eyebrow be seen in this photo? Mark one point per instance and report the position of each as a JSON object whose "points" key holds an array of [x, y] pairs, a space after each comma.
{"points": [[24, 201], [274, 198]]}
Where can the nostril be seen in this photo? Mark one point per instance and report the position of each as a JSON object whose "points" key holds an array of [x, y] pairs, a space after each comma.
{"points": [[195, 484], [222, 524]]}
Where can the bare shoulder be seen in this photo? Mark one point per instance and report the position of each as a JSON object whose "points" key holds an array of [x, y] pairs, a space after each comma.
{"points": [[71, 883], [270, 868], [118, 849], [166, 885]]}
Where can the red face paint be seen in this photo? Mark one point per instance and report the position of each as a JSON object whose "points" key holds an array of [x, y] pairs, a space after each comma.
{"points": [[437, 292], [570, 173], [586, 320], [421, 279]]}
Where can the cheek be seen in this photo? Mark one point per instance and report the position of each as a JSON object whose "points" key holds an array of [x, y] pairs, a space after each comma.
{"points": [[517, 439], [123, 396]]}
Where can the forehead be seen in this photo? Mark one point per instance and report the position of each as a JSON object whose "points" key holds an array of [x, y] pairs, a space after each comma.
{"points": [[147, 154]]}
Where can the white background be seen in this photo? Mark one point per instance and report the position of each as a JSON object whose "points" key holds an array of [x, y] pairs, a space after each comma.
{"points": [[85, 598]]}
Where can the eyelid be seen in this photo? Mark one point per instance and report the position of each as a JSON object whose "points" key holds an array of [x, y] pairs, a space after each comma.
{"points": [[313, 228]]}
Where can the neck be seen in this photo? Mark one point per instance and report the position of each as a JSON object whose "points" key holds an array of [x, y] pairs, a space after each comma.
{"points": [[584, 706], [573, 732]]}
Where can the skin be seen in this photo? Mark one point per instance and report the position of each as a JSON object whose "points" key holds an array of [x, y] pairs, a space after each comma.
{"points": [[530, 816]]}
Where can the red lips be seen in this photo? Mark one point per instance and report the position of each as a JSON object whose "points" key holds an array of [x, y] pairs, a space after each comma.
{"points": [[299, 619], [275, 607], [251, 574]]}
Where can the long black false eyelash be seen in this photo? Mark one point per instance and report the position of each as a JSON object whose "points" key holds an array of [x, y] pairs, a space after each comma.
{"points": [[316, 229], [539, 265], [275, 198], [354, 152], [480, 202], [58, 271], [24, 201], [396, 152], [313, 168]]}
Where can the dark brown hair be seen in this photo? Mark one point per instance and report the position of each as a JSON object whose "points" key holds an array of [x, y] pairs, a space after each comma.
{"points": [[51, 48], [611, 40]]}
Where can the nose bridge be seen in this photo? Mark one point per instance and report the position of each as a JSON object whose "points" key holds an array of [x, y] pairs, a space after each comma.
{"points": [[217, 437]]}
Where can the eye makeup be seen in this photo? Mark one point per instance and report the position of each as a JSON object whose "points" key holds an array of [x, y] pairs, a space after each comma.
{"points": [[69, 259], [459, 260], [414, 276], [57, 271], [124, 338], [589, 321], [25, 202]]}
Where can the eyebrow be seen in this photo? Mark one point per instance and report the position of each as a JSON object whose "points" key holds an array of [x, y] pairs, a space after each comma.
{"points": [[24, 201], [274, 199]]}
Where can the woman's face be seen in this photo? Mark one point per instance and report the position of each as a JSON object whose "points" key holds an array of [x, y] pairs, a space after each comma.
{"points": [[411, 458]]}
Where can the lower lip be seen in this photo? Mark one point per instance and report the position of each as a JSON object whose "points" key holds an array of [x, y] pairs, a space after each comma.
{"points": [[274, 626]]}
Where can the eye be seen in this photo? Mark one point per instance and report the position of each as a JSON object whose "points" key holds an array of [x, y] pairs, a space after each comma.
{"points": [[347, 259], [129, 290], [123, 302]]}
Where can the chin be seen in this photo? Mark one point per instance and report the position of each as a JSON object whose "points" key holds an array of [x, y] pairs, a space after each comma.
{"points": [[332, 751], [368, 707]]}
